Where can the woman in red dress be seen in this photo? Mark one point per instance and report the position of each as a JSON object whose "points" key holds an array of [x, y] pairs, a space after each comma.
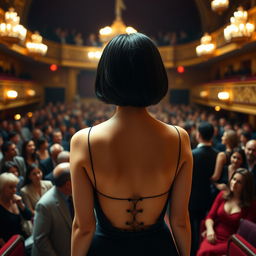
{"points": [[228, 208]]}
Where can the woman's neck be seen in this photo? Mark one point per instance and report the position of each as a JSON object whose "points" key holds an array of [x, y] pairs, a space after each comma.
{"points": [[36, 184], [128, 113]]}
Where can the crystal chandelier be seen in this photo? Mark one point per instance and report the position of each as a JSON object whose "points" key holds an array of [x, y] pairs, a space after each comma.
{"points": [[10, 30], [239, 27], [206, 47], [36, 46], [118, 26], [219, 5]]}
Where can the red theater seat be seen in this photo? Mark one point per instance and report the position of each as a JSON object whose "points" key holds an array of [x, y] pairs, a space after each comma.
{"points": [[13, 247]]}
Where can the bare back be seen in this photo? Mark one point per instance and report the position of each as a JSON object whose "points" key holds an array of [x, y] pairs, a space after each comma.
{"points": [[132, 168]]}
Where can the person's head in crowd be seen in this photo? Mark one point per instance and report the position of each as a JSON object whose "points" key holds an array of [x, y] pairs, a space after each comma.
{"points": [[245, 137], [55, 149], [42, 144], [8, 186], [63, 157], [131, 72], [29, 149], [17, 126], [62, 179], [205, 132], [228, 127], [9, 150], [14, 137], [250, 151], [247, 127], [47, 130], [11, 167], [37, 134], [241, 186], [229, 139], [63, 128], [238, 158], [71, 131], [222, 121], [1, 141], [34, 175], [57, 137]]}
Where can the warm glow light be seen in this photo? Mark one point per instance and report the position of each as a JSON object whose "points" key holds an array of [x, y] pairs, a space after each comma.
{"points": [[11, 94], [106, 31], [217, 108], [31, 92], [223, 95], [204, 94], [130, 30], [29, 114], [206, 47], [36, 46], [219, 5], [180, 69], [53, 67], [11, 29], [94, 55], [239, 28], [17, 117]]}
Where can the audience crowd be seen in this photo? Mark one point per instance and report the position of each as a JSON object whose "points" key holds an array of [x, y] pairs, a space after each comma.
{"points": [[35, 188]]}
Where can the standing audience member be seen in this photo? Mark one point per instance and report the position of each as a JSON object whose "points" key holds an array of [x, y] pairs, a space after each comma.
{"points": [[204, 157], [53, 218], [226, 212], [58, 138], [34, 187], [10, 154], [12, 209]]}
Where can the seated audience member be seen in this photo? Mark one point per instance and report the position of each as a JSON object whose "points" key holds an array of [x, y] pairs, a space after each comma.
{"points": [[11, 167], [14, 137], [58, 138], [63, 157], [34, 187], [1, 143], [42, 152], [36, 134], [29, 152], [53, 217], [244, 138], [230, 140], [12, 209], [237, 160], [226, 212], [47, 165], [9, 150], [250, 152], [204, 157]]}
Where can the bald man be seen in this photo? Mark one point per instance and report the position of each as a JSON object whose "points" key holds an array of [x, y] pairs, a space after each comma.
{"points": [[53, 218], [250, 152]]}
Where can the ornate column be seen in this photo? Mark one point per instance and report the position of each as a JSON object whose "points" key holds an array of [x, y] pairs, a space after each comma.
{"points": [[71, 86]]}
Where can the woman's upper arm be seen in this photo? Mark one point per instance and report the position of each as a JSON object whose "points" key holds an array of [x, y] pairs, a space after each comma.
{"points": [[220, 162], [181, 186], [82, 189]]}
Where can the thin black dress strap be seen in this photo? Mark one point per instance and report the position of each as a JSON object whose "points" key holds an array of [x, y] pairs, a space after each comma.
{"points": [[90, 154], [178, 163]]}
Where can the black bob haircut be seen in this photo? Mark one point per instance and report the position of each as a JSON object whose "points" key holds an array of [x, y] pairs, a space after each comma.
{"points": [[131, 72]]}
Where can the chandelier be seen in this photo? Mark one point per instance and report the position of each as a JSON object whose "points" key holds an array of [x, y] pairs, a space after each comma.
{"points": [[118, 26], [36, 47], [10, 30], [239, 28], [206, 47], [219, 5]]}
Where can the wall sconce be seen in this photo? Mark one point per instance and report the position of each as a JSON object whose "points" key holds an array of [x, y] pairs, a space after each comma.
{"points": [[217, 108], [94, 55], [17, 117], [11, 95], [204, 94], [31, 92], [224, 96]]}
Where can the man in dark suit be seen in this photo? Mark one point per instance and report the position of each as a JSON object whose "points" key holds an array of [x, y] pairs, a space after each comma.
{"points": [[47, 165], [53, 217], [204, 158], [250, 152]]}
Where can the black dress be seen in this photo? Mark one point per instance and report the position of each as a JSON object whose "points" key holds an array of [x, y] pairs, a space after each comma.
{"points": [[138, 240]]}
